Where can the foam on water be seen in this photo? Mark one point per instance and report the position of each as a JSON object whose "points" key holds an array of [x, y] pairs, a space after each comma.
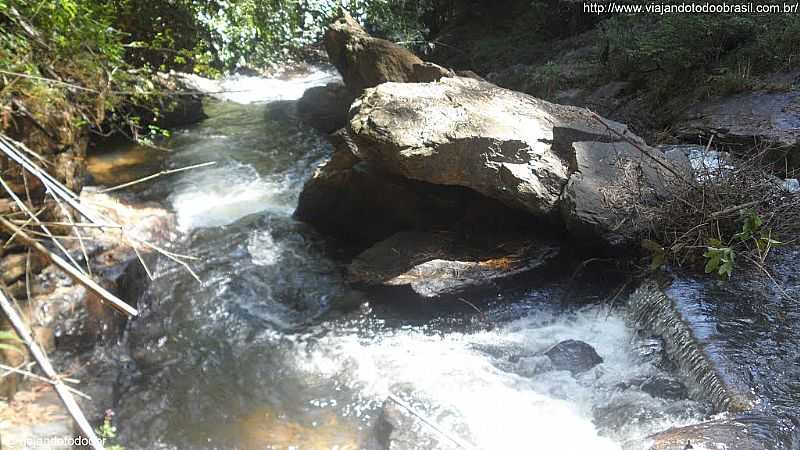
{"points": [[225, 193], [491, 387], [262, 161], [253, 89]]}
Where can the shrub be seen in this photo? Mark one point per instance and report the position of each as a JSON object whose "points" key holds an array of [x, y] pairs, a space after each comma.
{"points": [[735, 211]]}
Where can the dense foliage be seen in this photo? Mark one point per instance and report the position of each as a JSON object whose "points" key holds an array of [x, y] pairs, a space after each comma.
{"points": [[224, 35], [724, 51], [84, 59]]}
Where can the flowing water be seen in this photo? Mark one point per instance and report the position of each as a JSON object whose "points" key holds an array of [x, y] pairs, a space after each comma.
{"points": [[273, 350]]}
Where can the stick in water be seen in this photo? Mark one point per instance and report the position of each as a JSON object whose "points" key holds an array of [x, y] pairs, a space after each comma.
{"points": [[156, 175]]}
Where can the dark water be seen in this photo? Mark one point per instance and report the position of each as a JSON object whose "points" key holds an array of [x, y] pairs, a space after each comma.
{"points": [[750, 327], [273, 350]]}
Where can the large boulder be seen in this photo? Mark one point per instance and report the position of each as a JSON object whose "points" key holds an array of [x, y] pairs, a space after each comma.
{"points": [[434, 264], [359, 203], [365, 61], [552, 161]]}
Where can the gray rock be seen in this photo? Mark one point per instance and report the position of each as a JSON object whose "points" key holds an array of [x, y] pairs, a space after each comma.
{"points": [[718, 434], [574, 356], [665, 387], [520, 150], [738, 119], [434, 264], [741, 120], [360, 203], [609, 178]]}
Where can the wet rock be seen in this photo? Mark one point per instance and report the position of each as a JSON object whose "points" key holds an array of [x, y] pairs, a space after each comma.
{"points": [[434, 264], [665, 387], [660, 386], [651, 350], [325, 108], [574, 356], [650, 309], [619, 415], [550, 160], [397, 429], [719, 434], [365, 61], [741, 120]]}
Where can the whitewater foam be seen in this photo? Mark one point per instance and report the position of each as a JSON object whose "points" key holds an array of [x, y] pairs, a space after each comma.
{"points": [[479, 386]]}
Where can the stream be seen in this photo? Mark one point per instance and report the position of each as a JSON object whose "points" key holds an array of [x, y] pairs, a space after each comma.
{"points": [[273, 350]]}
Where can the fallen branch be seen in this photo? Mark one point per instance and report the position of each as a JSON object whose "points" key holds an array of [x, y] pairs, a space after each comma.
{"points": [[71, 270], [641, 149], [61, 389], [27, 373], [736, 208]]}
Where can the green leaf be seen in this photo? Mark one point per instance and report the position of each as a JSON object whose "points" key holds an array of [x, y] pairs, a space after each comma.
{"points": [[713, 261], [726, 268]]}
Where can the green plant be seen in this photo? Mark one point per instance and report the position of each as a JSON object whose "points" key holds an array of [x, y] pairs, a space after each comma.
{"points": [[107, 432], [9, 336], [720, 256]]}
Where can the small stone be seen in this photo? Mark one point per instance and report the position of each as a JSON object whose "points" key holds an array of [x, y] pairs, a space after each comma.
{"points": [[574, 356], [665, 387]]}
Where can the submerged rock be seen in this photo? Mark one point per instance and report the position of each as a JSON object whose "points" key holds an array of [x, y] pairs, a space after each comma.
{"points": [[398, 429], [549, 160], [574, 356], [434, 264]]}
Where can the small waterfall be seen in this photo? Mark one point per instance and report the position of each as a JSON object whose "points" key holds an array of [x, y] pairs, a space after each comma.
{"points": [[650, 309]]}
